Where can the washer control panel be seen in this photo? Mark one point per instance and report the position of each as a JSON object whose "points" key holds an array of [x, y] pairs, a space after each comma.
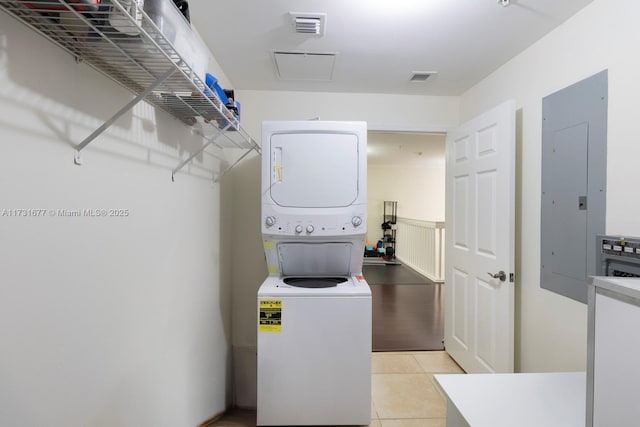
{"points": [[315, 226]]}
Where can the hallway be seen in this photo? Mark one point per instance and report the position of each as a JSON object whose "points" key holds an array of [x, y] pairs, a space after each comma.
{"points": [[407, 309]]}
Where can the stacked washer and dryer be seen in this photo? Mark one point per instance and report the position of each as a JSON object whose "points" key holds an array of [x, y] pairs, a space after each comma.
{"points": [[314, 308]]}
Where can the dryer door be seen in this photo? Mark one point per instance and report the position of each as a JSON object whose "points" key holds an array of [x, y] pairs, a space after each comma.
{"points": [[314, 170]]}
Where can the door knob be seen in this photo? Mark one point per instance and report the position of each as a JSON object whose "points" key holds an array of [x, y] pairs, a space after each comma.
{"points": [[499, 275]]}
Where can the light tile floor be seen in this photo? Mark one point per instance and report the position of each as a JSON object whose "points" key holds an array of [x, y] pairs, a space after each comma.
{"points": [[403, 391]]}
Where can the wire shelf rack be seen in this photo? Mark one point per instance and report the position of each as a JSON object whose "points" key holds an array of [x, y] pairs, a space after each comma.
{"points": [[119, 39]]}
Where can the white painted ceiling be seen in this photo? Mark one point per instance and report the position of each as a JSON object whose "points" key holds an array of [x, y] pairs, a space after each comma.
{"points": [[421, 150], [378, 43]]}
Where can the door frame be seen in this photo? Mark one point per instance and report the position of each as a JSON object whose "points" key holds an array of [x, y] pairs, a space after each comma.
{"points": [[445, 130]]}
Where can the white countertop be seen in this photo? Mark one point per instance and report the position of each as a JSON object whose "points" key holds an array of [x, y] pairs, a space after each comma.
{"points": [[536, 399], [629, 286]]}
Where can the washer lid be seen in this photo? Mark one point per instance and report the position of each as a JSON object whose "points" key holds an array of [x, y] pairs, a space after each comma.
{"points": [[315, 259]]}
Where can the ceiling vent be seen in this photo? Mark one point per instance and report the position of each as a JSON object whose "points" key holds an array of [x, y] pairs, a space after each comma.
{"points": [[311, 24], [304, 65], [421, 76]]}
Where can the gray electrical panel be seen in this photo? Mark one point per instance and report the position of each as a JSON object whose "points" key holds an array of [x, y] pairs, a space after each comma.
{"points": [[574, 160]]}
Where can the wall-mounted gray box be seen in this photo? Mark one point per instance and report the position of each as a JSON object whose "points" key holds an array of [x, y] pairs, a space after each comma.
{"points": [[574, 160]]}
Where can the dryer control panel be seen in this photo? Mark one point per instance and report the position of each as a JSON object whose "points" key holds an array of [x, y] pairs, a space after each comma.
{"points": [[353, 223]]}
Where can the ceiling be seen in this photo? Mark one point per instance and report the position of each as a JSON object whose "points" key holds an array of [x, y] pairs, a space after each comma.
{"points": [[406, 149], [378, 43]]}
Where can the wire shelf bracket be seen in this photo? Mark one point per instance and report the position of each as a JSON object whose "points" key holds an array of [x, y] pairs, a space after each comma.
{"points": [[77, 160], [210, 141]]}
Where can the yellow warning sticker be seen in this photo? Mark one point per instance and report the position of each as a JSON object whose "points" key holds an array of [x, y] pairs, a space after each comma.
{"points": [[268, 245], [272, 269], [270, 315]]}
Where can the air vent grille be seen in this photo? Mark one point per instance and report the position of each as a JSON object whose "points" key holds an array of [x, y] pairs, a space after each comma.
{"points": [[421, 76], [308, 25], [312, 24]]}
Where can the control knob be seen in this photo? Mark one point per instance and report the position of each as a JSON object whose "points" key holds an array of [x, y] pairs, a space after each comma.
{"points": [[270, 221], [298, 229], [310, 228], [356, 221]]}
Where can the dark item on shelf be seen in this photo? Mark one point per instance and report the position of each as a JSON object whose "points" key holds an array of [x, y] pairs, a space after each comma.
{"points": [[183, 7], [232, 105], [52, 9], [229, 93], [58, 6], [188, 107]]}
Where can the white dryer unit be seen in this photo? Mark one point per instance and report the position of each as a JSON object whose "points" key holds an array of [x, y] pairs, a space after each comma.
{"points": [[314, 186]]}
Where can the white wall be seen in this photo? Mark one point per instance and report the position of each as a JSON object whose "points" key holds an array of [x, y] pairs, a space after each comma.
{"points": [[419, 192], [408, 168], [551, 330], [382, 112], [105, 321]]}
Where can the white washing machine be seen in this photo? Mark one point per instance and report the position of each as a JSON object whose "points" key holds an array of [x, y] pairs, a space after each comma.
{"points": [[314, 353]]}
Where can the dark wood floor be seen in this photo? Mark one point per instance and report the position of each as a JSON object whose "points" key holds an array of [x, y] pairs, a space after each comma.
{"points": [[407, 309]]}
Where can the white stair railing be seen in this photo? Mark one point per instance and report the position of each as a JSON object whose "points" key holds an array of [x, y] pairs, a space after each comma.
{"points": [[420, 245]]}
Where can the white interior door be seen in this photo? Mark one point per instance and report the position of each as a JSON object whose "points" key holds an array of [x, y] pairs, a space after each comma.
{"points": [[480, 207]]}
